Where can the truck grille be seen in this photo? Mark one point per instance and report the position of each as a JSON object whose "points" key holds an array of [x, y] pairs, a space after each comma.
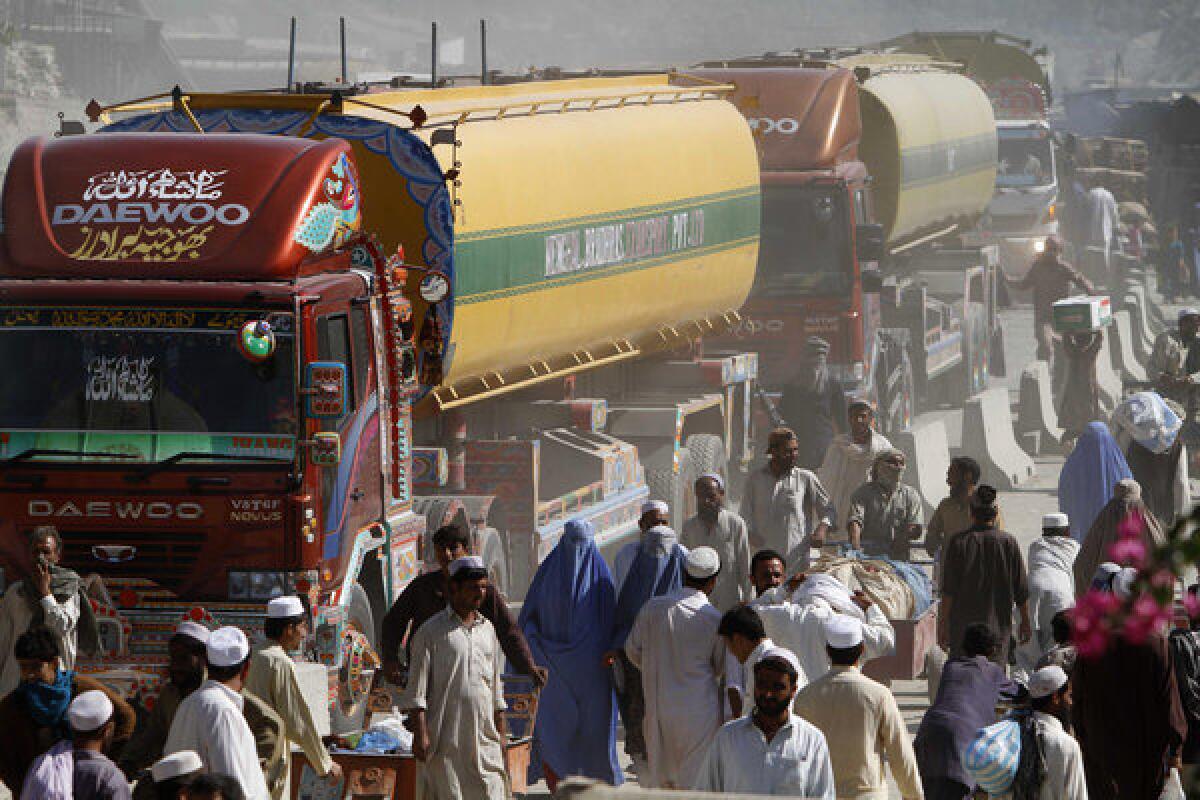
{"points": [[166, 557], [1011, 223]]}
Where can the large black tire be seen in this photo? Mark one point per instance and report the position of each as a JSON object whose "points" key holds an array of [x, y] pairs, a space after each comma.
{"points": [[347, 712], [675, 488], [495, 559]]}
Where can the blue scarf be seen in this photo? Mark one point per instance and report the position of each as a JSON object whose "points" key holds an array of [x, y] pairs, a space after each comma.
{"points": [[47, 704]]}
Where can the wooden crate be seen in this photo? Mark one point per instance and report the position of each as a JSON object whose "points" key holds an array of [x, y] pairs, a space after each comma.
{"points": [[914, 637]]}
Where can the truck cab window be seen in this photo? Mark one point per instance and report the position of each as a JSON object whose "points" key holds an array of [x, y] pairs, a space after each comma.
{"points": [[362, 353], [333, 344]]}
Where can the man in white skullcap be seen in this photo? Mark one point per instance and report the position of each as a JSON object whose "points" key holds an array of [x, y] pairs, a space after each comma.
{"points": [[210, 720], [717, 527], [455, 697], [80, 766], [172, 774], [656, 515], [860, 719], [674, 642], [1051, 584], [1060, 755], [272, 677], [794, 616], [187, 659], [770, 751]]}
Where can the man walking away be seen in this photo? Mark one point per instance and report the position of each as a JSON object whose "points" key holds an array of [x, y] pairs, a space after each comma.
{"points": [[1051, 577], [814, 404], [953, 514], [860, 720], [786, 507], [272, 676], [746, 641], [1185, 653], [984, 578], [885, 516], [724, 531], [426, 596], [48, 595], [1051, 764], [455, 697], [674, 643], [82, 766], [171, 775], [849, 459], [210, 720], [770, 751], [567, 618]]}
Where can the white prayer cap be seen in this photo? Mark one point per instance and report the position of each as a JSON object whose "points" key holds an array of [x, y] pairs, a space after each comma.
{"points": [[89, 711], [655, 505], [1046, 681], [1054, 521], [193, 630], [285, 607], [466, 562], [227, 647], [176, 765], [715, 478], [1122, 583], [1188, 312], [782, 653], [703, 562], [843, 632]]}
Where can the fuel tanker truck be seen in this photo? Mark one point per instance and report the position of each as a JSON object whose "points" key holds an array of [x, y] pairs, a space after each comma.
{"points": [[265, 342], [873, 166]]}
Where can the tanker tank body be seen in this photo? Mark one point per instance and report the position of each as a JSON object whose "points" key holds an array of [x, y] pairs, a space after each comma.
{"points": [[873, 164], [566, 246]]}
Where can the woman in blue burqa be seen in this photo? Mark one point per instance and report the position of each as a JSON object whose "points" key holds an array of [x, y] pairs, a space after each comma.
{"points": [[1089, 477], [567, 618]]}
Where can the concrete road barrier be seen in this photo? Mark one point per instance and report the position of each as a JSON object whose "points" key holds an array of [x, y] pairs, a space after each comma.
{"points": [[1156, 323], [1120, 346], [1107, 379], [987, 436], [1035, 408], [928, 452], [1141, 328]]}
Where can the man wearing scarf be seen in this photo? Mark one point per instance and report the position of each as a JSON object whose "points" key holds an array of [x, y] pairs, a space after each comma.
{"points": [[49, 595], [34, 715], [1051, 764], [567, 618], [813, 404], [885, 515], [1124, 509], [850, 456]]}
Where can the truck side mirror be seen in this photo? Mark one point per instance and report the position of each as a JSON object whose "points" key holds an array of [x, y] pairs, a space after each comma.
{"points": [[325, 388], [872, 281], [325, 449], [869, 238]]}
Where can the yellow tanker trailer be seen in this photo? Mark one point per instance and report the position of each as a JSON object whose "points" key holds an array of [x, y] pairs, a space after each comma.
{"points": [[566, 245]]}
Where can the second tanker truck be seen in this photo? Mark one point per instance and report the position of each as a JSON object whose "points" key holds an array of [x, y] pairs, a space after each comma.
{"points": [[873, 166]]}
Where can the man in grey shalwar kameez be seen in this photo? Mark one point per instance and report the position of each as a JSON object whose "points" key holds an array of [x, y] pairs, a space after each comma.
{"points": [[455, 695], [724, 531]]}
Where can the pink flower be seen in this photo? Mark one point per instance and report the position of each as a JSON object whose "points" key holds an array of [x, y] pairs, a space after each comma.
{"points": [[1163, 579], [1192, 603], [1130, 551], [1136, 629]]}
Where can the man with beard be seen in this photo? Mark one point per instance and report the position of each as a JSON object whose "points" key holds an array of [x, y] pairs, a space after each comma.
{"points": [[885, 515], [724, 531], [1175, 362], [849, 458], [813, 404], [49, 595], [770, 751], [785, 506], [1051, 764], [185, 673]]}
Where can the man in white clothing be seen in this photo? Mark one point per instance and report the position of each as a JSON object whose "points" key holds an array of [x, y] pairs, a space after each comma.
{"points": [[794, 616], [770, 751], [674, 643], [655, 514], [719, 528], [786, 507], [848, 460], [1062, 760], [210, 720], [1051, 582]]}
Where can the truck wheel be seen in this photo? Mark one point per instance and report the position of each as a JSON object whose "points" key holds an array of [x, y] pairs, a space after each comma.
{"points": [[355, 675], [706, 452], [675, 488], [495, 559]]}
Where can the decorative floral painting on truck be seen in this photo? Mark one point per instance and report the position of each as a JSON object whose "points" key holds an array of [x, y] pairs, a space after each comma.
{"points": [[330, 224]]}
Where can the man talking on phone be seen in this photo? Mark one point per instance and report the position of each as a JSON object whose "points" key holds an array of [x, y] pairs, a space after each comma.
{"points": [[48, 595]]}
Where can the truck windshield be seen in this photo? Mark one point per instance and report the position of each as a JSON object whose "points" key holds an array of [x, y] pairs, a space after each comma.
{"points": [[804, 245], [146, 383], [1025, 158]]}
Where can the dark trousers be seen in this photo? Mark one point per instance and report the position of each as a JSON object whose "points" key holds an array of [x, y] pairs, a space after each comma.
{"points": [[945, 789], [631, 703]]}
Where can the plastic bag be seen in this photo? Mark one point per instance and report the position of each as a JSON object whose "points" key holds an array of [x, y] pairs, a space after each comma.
{"points": [[1147, 418], [992, 757], [52, 775]]}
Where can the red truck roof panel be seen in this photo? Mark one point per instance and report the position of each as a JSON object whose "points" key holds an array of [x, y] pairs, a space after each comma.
{"points": [[176, 206]]}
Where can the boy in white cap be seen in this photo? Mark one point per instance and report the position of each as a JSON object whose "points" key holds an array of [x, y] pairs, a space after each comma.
{"points": [[455, 697], [1060, 756], [172, 774], [770, 751], [210, 720], [717, 527], [88, 772], [860, 720], [674, 642], [272, 676]]}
